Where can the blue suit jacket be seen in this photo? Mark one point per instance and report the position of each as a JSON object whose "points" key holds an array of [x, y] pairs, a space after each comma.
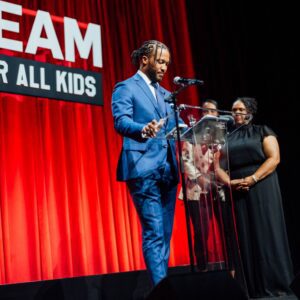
{"points": [[133, 106]]}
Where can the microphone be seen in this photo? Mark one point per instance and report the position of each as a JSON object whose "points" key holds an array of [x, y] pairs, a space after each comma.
{"points": [[182, 107], [187, 81], [227, 119], [248, 117]]}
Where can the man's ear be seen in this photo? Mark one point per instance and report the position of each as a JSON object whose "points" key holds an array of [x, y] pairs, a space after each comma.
{"points": [[144, 60]]}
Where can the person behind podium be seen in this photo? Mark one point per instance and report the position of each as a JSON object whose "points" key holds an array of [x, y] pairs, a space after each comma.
{"points": [[253, 159], [198, 164], [147, 164]]}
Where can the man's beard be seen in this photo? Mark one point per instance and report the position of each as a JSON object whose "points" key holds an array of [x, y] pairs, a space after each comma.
{"points": [[151, 73]]}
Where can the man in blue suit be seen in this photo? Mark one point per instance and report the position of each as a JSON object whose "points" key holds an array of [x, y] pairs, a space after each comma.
{"points": [[148, 164]]}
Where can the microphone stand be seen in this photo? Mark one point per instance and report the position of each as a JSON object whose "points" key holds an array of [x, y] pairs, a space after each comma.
{"points": [[172, 99], [184, 106]]}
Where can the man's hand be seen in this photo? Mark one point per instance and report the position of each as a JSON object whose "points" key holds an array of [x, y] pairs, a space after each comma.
{"points": [[150, 130]]}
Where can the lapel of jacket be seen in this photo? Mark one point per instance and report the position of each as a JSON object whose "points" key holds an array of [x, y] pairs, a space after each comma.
{"points": [[161, 95], [142, 84]]}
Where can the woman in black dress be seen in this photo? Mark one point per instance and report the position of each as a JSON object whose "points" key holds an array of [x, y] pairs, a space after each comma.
{"points": [[253, 158]]}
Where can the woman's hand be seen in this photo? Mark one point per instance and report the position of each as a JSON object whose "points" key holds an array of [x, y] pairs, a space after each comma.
{"points": [[236, 183], [242, 184]]}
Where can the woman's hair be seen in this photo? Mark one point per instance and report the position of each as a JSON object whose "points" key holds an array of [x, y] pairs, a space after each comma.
{"points": [[250, 104], [214, 102], [147, 49]]}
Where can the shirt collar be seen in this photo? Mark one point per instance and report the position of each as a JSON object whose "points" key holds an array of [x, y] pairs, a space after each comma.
{"points": [[144, 76]]}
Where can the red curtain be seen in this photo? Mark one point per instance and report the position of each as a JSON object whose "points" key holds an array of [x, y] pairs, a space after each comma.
{"points": [[62, 213]]}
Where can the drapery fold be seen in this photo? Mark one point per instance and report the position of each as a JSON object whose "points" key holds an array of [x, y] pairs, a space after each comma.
{"points": [[62, 213]]}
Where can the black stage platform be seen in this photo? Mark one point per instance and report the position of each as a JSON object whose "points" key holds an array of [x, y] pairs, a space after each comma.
{"points": [[181, 284]]}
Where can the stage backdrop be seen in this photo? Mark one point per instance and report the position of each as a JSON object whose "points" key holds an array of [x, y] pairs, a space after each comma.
{"points": [[62, 213]]}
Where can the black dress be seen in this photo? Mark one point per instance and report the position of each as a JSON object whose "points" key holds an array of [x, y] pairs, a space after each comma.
{"points": [[259, 216]]}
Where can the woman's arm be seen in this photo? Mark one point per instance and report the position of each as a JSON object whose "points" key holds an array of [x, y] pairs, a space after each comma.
{"points": [[272, 153], [221, 174]]}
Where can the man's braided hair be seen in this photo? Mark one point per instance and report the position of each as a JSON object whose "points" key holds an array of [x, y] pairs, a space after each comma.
{"points": [[147, 49]]}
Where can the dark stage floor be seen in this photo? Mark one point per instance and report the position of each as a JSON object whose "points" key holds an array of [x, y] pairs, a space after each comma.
{"points": [[181, 284], [278, 298]]}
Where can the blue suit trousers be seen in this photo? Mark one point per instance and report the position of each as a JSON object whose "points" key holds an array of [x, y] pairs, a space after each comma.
{"points": [[154, 198]]}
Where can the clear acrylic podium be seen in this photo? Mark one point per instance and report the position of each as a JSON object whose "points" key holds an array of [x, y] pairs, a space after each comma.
{"points": [[208, 195]]}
